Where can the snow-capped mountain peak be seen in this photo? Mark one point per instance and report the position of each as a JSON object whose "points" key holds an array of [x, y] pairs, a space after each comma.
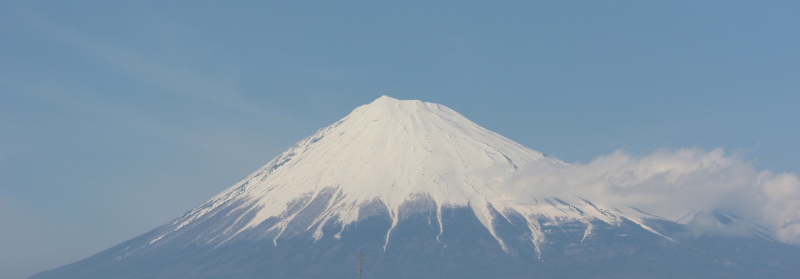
{"points": [[392, 152], [425, 192]]}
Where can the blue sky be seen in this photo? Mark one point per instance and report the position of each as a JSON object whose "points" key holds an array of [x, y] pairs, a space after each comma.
{"points": [[115, 117]]}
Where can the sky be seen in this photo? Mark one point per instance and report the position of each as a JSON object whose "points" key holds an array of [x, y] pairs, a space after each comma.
{"points": [[118, 117]]}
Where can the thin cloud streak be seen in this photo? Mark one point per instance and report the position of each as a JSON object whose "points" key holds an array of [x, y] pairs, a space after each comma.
{"points": [[170, 72], [166, 74]]}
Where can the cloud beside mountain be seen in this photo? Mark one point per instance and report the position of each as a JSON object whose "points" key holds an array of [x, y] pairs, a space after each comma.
{"points": [[674, 184]]}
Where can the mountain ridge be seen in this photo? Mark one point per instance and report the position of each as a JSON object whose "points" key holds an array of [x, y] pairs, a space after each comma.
{"points": [[393, 151], [419, 186]]}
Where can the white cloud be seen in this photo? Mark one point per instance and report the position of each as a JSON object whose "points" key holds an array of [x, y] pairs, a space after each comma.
{"points": [[673, 184]]}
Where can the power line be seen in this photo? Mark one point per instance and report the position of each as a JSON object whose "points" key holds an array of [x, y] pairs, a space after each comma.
{"points": [[360, 264]]}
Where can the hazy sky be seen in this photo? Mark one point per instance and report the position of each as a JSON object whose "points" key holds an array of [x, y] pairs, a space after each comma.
{"points": [[116, 118]]}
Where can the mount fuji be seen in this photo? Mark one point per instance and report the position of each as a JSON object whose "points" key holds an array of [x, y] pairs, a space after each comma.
{"points": [[415, 186]]}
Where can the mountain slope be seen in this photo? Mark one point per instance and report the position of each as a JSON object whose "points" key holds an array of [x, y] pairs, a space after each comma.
{"points": [[415, 185]]}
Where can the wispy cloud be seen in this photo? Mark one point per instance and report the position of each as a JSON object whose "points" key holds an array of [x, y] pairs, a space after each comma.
{"points": [[673, 184], [168, 69], [196, 93]]}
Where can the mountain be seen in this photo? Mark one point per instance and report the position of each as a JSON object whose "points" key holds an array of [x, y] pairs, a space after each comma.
{"points": [[415, 186]]}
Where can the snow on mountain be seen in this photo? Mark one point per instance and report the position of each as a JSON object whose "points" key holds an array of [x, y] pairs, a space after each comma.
{"points": [[394, 151], [424, 192]]}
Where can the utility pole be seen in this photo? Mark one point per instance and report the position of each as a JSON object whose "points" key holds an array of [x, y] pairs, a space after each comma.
{"points": [[360, 264]]}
